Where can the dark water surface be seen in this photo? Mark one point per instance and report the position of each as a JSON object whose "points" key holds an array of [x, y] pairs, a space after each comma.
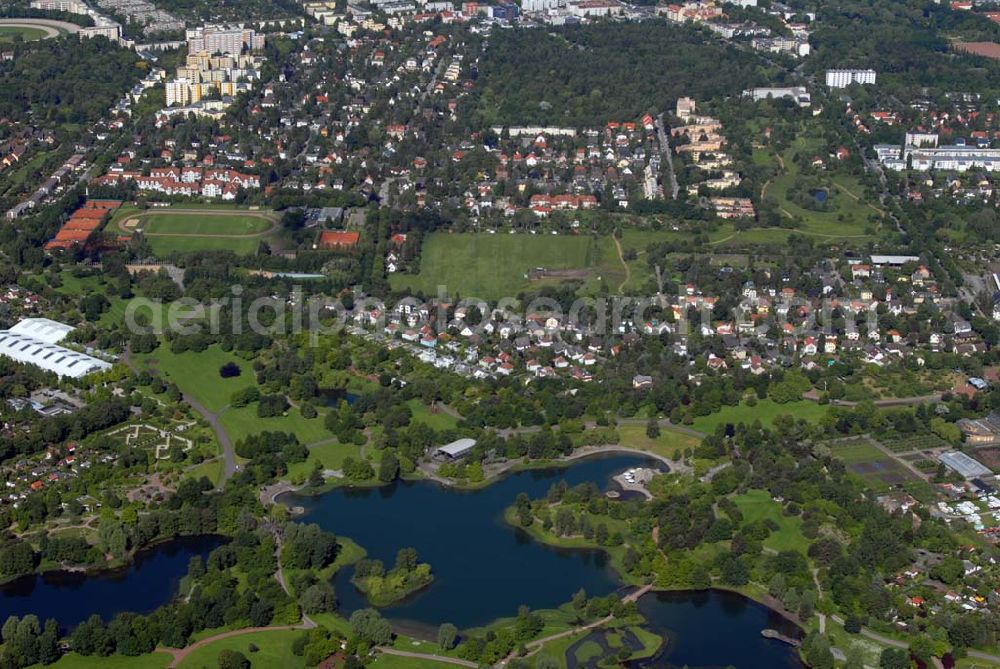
{"points": [[484, 569], [149, 582]]}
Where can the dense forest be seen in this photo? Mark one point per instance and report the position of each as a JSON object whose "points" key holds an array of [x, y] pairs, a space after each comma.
{"points": [[65, 80], [908, 44], [590, 74]]}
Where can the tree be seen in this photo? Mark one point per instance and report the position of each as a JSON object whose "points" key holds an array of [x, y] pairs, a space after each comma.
{"points": [[229, 370], [370, 626], [318, 598], [817, 653], [447, 636], [653, 428], [855, 658], [233, 659], [894, 658], [388, 468]]}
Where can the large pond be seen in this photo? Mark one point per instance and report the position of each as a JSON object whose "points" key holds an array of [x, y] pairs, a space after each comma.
{"points": [[149, 582], [484, 569]]}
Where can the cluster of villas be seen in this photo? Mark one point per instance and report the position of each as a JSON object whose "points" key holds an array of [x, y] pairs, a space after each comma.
{"points": [[768, 328], [568, 166], [699, 140], [191, 181]]}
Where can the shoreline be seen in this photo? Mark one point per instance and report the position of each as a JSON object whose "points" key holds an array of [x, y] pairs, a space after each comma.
{"points": [[108, 568], [419, 630], [273, 493]]}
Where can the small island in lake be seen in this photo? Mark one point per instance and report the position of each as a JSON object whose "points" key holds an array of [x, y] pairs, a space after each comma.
{"points": [[382, 587]]}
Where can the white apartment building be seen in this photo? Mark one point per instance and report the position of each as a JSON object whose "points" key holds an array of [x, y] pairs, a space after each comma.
{"points": [[223, 39], [844, 78], [70, 6]]}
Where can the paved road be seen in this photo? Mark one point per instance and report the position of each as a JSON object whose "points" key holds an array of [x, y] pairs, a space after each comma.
{"points": [[661, 132]]}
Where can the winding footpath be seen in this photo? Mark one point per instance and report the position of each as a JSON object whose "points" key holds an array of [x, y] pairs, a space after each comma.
{"points": [[424, 656], [536, 645], [180, 653], [228, 452]]}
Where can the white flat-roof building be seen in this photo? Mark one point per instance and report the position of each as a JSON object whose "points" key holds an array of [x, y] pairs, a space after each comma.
{"points": [[798, 94], [48, 356], [457, 448], [43, 329]]}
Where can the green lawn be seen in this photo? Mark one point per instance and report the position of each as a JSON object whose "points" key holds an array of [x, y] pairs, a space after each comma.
{"points": [[765, 411], [212, 469], [847, 214], [164, 246], [148, 661], [758, 505], [423, 414], [330, 455], [634, 436], [9, 33], [197, 374], [858, 450], [181, 225], [493, 266], [274, 650], [201, 224], [240, 423]]}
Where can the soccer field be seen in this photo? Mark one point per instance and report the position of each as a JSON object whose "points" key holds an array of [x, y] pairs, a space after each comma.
{"points": [[176, 229], [204, 224]]}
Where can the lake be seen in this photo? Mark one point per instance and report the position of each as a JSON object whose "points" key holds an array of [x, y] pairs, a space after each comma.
{"points": [[484, 569], [150, 581], [715, 628]]}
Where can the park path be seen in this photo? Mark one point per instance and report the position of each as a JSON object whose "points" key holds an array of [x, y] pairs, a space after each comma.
{"points": [[180, 653], [424, 656], [228, 452], [536, 645], [621, 259], [902, 645]]}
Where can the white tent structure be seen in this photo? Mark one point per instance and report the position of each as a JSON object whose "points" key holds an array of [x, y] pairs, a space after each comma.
{"points": [[34, 341]]}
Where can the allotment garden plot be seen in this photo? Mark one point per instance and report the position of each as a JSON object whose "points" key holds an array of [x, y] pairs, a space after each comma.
{"points": [[871, 464]]}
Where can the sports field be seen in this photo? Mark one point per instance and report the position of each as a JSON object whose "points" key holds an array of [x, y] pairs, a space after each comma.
{"points": [[493, 266], [9, 33], [179, 229]]}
